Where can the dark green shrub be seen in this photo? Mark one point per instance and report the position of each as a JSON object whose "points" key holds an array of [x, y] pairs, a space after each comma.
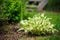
{"points": [[12, 10]]}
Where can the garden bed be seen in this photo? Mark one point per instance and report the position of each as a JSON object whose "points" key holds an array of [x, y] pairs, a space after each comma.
{"points": [[10, 35], [13, 35], [23, 36]]}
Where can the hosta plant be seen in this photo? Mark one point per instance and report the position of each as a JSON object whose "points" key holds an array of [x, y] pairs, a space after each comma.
{"points": [[39, 24]]}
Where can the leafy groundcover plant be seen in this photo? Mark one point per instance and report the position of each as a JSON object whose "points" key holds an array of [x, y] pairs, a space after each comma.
{"points": [[38, 25]]}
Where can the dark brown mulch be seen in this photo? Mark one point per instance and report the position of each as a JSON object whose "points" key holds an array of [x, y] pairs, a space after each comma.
{"points": [[9, 32], [10, 35]]}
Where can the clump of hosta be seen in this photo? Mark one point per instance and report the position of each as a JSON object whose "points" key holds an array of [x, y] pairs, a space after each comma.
{"points": [[39, 24]]}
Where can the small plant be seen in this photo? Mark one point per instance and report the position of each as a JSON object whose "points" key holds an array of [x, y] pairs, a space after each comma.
{"points": [[39, 24]]}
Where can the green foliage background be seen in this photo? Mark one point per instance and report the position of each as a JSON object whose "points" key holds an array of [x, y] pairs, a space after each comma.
{"points": [[53, 5], [12, 10]]}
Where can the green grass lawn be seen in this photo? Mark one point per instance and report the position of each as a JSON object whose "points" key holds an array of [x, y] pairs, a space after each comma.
{"points": [[55, 20]]}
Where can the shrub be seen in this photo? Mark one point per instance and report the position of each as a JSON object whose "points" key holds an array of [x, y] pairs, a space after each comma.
{"points": [[12, 10], [39, 24]]}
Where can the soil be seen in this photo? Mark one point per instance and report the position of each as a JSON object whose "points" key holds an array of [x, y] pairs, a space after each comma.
{"points": [[11, 35]]}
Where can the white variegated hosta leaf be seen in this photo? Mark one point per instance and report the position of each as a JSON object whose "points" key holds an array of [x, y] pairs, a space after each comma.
{"points": [[37, 25]]}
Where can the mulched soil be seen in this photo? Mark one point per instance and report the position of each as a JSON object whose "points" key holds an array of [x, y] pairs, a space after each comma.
{"points": [[11, 35]]}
